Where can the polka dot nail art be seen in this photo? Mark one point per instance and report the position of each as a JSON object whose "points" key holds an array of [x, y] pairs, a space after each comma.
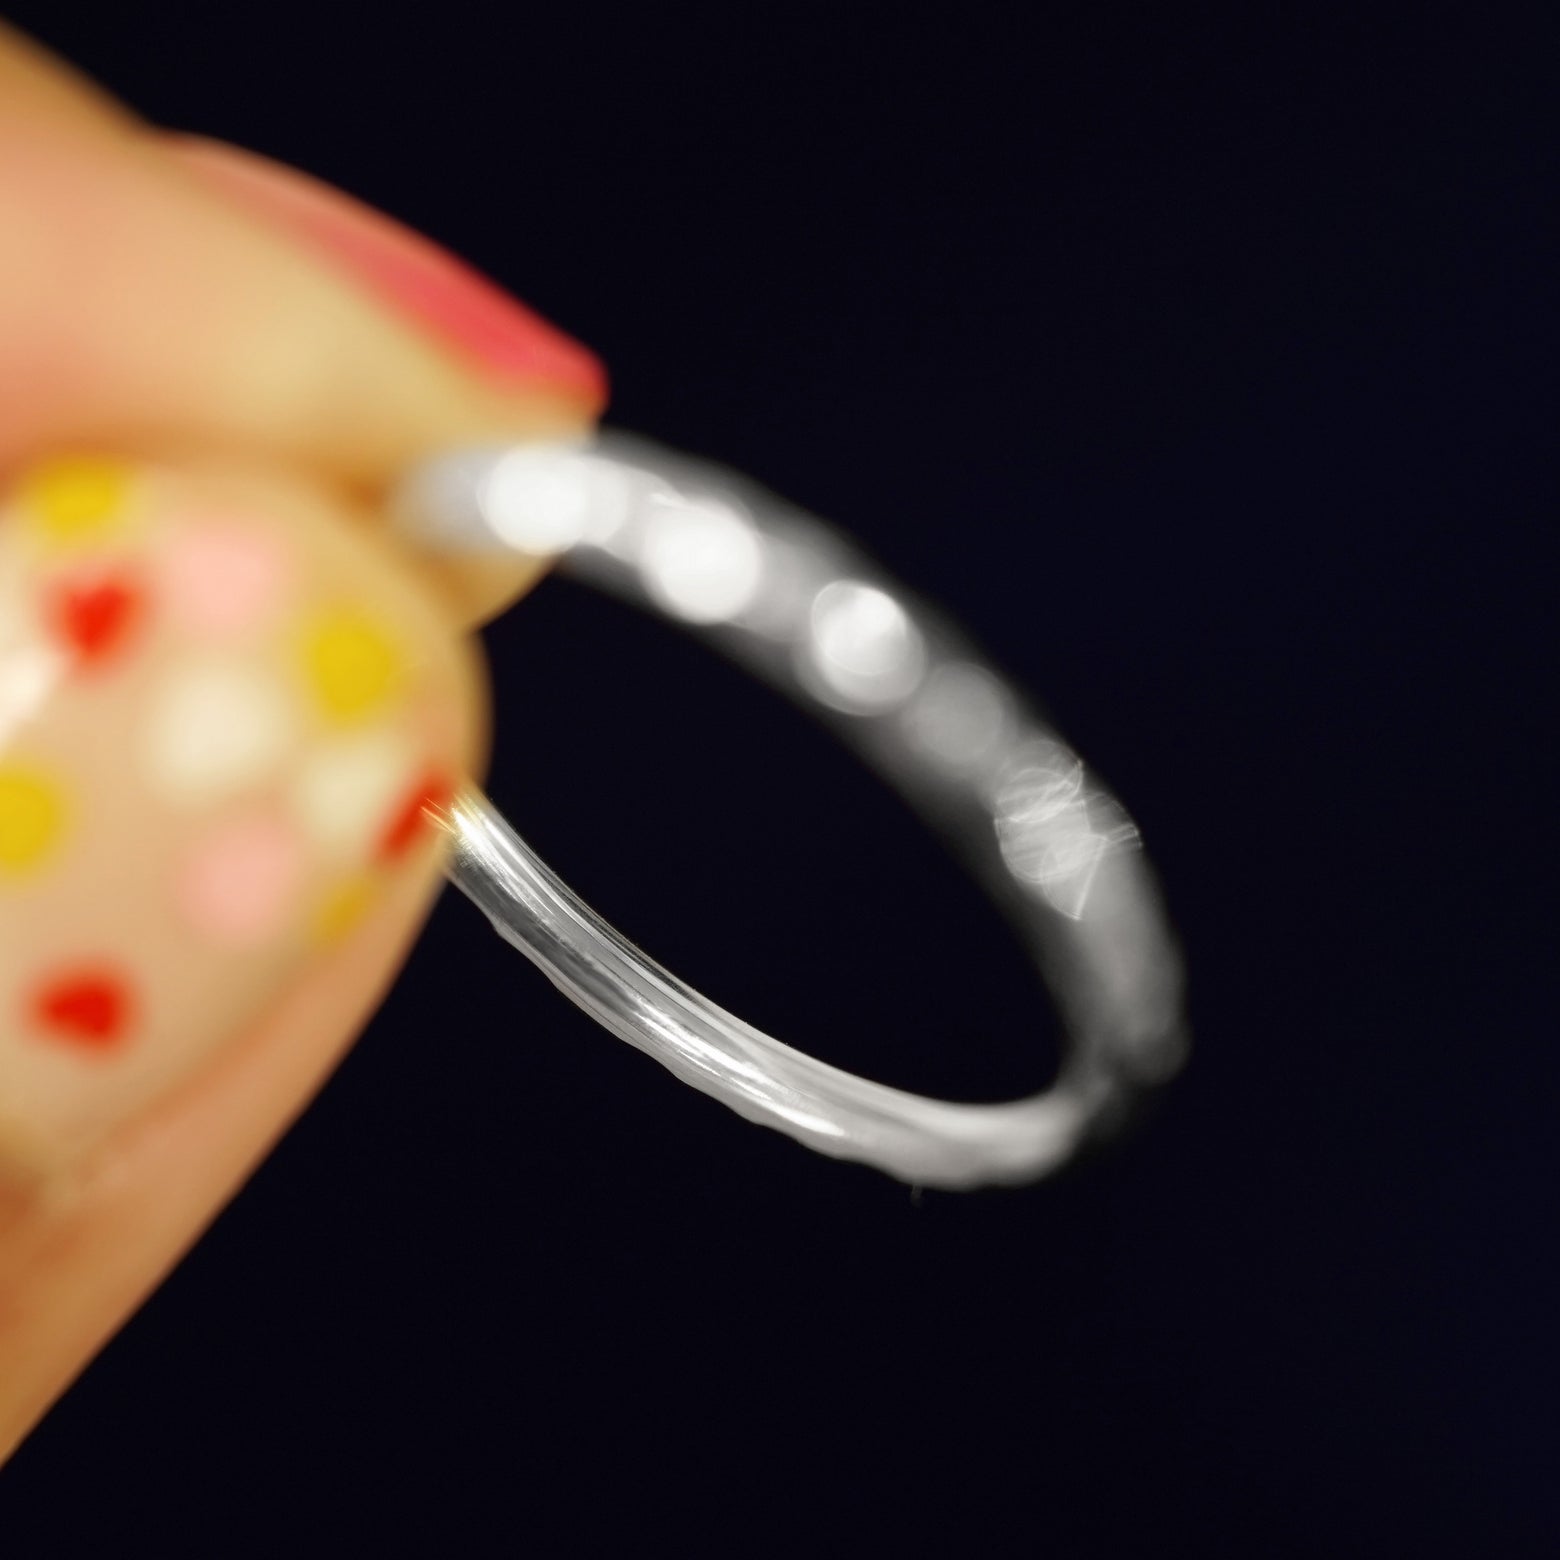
{"points": [[222, 732]]}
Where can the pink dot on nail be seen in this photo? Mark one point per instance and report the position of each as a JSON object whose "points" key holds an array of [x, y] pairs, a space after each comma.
{"points": [[241, 882], [222, 577]]}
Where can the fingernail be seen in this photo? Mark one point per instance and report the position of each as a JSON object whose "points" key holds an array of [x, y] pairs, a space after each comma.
{"points": [[456, 302], [221, 732]]}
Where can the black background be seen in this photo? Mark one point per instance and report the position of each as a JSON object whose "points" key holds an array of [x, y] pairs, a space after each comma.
{"points": [[1202, 365]]}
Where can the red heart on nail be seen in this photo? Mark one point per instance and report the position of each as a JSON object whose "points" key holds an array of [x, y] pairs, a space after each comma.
{"points": [[89, 1008], [432, 793], [95, 617]]}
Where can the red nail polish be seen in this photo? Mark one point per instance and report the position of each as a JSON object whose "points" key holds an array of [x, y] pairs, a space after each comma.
{"points": [[457, 302]]}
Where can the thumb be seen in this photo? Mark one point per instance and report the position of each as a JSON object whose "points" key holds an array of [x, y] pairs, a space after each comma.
{"points": [[225, 713]]}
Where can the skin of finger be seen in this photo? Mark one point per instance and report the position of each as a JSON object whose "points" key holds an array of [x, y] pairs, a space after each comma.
{"points": [[79, 1250], [77, 1258], [143, 312], [43, 87]]}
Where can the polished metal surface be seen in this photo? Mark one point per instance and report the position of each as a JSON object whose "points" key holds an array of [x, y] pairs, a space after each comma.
{"points": [[789, 598]]}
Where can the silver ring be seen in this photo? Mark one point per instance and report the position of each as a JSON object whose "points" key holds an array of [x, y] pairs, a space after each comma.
{"points": [[790, 599]]}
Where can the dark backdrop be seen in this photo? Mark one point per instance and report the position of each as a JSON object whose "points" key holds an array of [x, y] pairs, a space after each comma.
{"points": [[1201, 364]]}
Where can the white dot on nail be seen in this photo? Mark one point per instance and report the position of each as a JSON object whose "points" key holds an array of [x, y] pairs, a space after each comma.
{"points": [[214, 728], [347, 787]]}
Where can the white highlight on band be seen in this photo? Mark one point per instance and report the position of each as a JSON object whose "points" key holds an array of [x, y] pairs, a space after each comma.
{"points": [[791, 600], [701, 561], [537, 499], [959, 718], [1042, 815], [863, 647]]}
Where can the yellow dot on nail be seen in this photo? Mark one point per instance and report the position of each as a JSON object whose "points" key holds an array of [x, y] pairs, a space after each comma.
{"points": [[342, 909], [32, 819], [354, 665], [75, 501]]}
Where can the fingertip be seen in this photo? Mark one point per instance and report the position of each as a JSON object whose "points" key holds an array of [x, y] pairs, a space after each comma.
{"points": [[229, 709], [216, 848], [499, 337]]}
